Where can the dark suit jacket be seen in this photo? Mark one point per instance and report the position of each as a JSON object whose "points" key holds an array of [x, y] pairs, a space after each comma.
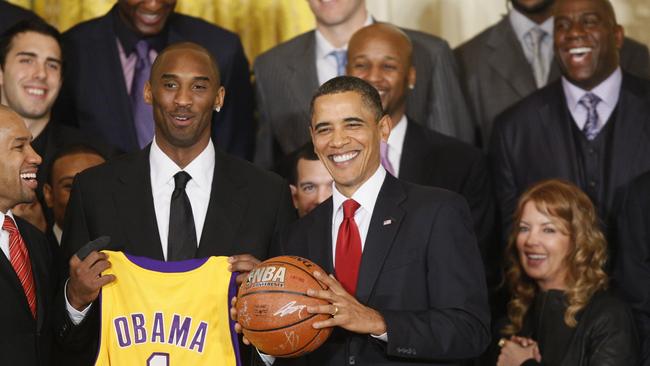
{"points": [[496, 74], [247, 208], [26, 341], [532, 141], [632, 272], [422, 272], [432, 159], [286, 78], [94, 95], [11, 14]]}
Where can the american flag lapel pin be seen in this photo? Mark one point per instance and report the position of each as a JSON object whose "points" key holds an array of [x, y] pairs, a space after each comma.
{"points": [[388, 222]]}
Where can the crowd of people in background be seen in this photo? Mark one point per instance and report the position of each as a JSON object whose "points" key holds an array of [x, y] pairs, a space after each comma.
{"points": [[487, 205]]}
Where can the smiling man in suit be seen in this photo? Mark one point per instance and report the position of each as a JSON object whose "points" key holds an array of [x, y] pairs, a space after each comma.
{"points": [[178, 198], [513, 58], [381, 54], [287, 75], [26, 278], [109, 58], [592, 127], [409, 284]]}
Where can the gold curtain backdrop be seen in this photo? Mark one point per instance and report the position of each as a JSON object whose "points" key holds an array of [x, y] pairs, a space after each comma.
{"points": [[261, 24]]}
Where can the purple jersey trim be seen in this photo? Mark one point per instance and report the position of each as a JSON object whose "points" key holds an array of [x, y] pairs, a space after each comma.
{"points": [[166, 267], [99, 342], [232, 292]]}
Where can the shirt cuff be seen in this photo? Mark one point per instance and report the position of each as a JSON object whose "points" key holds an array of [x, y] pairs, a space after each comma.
{"points": [[75, 315], [268, 360], [381, 337]]}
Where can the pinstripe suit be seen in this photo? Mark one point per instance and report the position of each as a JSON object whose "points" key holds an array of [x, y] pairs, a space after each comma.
{"points": [[286, 78]]}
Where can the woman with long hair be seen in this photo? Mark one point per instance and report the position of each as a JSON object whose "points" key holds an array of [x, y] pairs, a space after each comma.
{"points": [[561, 312]]}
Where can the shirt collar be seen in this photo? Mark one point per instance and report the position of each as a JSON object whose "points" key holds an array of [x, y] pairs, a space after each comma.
{"points": [[58, 233], [324, 47], [128, 38], [163, 167], [2, 217], [366, 195], [522, 24], [397, 134], [608, 91]]}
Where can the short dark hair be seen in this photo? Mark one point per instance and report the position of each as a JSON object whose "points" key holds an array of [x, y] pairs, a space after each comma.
{"points": [[71, 149], [27, 25], [306, 152], [342, 84]]}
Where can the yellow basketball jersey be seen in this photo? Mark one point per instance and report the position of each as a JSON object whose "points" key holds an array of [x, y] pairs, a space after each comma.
{"points": [[167, 313]]}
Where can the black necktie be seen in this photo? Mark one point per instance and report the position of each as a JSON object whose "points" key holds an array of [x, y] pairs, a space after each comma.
{"points": [[181, 243]]}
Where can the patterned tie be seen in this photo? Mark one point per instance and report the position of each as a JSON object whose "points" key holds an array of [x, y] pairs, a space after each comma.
{"points": [[142, 112], [20, 262], [591, 128], [181, 242], [348, 248], [341, 57], [383, 150], [535, 37]]}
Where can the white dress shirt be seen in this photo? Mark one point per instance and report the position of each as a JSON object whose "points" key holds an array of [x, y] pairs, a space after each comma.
{"points": [[522, 25], [4, 235], [58, 233], [396, 144], [162, 170], [326, 66], [608, 91]]}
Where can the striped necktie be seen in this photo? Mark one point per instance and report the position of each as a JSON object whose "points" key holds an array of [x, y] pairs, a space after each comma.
{"points": [[19, 258]]}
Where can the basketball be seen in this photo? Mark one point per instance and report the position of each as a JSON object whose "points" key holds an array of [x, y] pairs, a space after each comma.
{"points": [[271, 307]]}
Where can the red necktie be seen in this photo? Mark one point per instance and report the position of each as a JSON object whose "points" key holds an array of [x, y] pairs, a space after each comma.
{"points": [[348, 248], [20, 262]]}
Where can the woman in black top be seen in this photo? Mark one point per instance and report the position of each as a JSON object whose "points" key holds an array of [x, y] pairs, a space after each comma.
{"points": [[560, 312]]}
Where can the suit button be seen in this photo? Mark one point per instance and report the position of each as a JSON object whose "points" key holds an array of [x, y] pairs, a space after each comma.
{"points": [[352, 360]]}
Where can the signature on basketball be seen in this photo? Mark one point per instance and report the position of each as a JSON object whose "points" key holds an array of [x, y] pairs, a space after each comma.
{"points": [[292, 339], [290, 308]]}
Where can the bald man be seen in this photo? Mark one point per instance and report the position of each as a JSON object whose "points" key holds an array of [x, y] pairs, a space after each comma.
{"points": [[591, 127], [236, 208], [381, 54], [25, 262]]}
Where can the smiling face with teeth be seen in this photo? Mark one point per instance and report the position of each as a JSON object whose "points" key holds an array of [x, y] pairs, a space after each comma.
{"points": [[183, 90], [587, 41], [19, 162], [346, 135], [543, 245], [381, 55], [147, 17], [30, 78]]}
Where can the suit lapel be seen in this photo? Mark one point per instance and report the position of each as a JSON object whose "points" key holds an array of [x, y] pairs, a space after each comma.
{"points": [[631, 133], [319, 238], [557, 135], [112, 78], [414, 147], [134, 200], [384, 225], [7, 271], [228, 201], [511, 66]]}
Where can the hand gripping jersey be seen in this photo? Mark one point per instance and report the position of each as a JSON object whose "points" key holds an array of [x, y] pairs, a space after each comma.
{"points": [[167, 313]]}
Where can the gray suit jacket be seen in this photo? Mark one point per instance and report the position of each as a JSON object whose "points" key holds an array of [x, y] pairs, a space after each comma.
{"points": [[496, 74], [286, 78]]}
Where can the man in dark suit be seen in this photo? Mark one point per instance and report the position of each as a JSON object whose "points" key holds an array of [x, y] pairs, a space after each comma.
{"points": [[25, 262], [381, 55], [498, 67], [632, 271], [409, 284], [287, 75], [102, 89], [11, 14], [178, 198], [590, 128]]}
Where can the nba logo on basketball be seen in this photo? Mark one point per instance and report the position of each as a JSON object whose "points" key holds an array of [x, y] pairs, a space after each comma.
{"points": [[268, 276]]}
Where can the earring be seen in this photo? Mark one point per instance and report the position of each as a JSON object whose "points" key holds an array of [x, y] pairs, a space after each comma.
{"points": [[411, 86], [217, 108]]}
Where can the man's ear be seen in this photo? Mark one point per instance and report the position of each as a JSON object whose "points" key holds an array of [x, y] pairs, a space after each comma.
{"points": [[384, 126], [47, 194], [294, 195], [148, 98]]}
